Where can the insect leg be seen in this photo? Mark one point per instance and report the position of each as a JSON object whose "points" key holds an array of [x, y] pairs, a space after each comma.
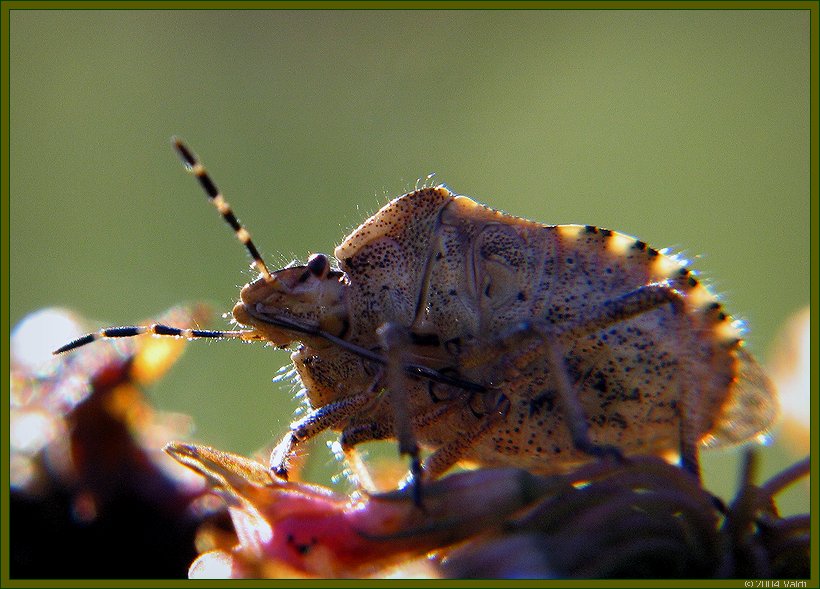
{"points": [[446, 456], [395, 340], [623, 308], [383, 429], [424, 289], [437, 412], [549, 342], [315, 423], [641, 300], [571, 405], [688, 452], [356, 434], [365, 432]]}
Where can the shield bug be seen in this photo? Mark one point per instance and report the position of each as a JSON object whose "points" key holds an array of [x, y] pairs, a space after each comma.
{"points": [[497, 340]]}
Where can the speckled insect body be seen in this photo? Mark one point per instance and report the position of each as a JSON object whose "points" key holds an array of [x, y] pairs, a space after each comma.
{"points": [[497, 340]]}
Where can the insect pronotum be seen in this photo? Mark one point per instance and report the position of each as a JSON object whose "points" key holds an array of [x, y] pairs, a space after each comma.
{"points": [[497, 340]]}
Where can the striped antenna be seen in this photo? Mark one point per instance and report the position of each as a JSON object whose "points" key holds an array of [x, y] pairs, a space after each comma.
{"points": [[156, 329], [198, 170]]}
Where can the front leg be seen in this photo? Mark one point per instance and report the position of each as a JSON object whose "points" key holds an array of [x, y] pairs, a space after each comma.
{"points": [[315, 423]]}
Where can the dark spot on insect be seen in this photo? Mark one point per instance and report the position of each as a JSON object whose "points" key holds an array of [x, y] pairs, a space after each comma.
{"points": [[713, 306], [618, 421], [303, 276], [633, 395], [693, 281], [652, 253], [487, 290], [522, 296], [639, 245], [600, 383], [424, 339], [545, 400], [608, 270], [556, 449], [439, 255], [606, 232], [570, 261], [590, 229], [345, 328], [721, 316], [453, 292], [683, 272]]}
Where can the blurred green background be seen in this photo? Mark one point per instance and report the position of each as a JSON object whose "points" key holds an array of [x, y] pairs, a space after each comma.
{"points": [[689, 129]]}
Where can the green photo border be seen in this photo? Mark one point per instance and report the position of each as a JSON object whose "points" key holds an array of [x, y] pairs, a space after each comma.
{"points": [[7, 6]]}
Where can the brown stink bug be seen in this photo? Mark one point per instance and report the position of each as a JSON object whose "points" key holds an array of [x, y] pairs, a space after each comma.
{"points": [[497, 340]]}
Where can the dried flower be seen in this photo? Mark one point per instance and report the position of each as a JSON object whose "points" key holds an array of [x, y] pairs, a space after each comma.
{"points": [[641, 518]]}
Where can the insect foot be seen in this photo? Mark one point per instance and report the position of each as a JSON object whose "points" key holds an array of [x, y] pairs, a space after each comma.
{"points": [[476, 336]]}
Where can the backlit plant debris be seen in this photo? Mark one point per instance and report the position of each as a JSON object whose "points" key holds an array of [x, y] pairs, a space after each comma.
{"points": [[93, 496], [644, 518]]}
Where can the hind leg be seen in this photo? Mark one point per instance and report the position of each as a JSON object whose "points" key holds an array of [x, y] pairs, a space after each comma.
{"points": [[532, 340], [571, 405]]}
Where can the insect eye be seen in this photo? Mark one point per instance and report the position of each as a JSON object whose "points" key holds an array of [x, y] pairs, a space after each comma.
{"points": [[318, 265]]}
